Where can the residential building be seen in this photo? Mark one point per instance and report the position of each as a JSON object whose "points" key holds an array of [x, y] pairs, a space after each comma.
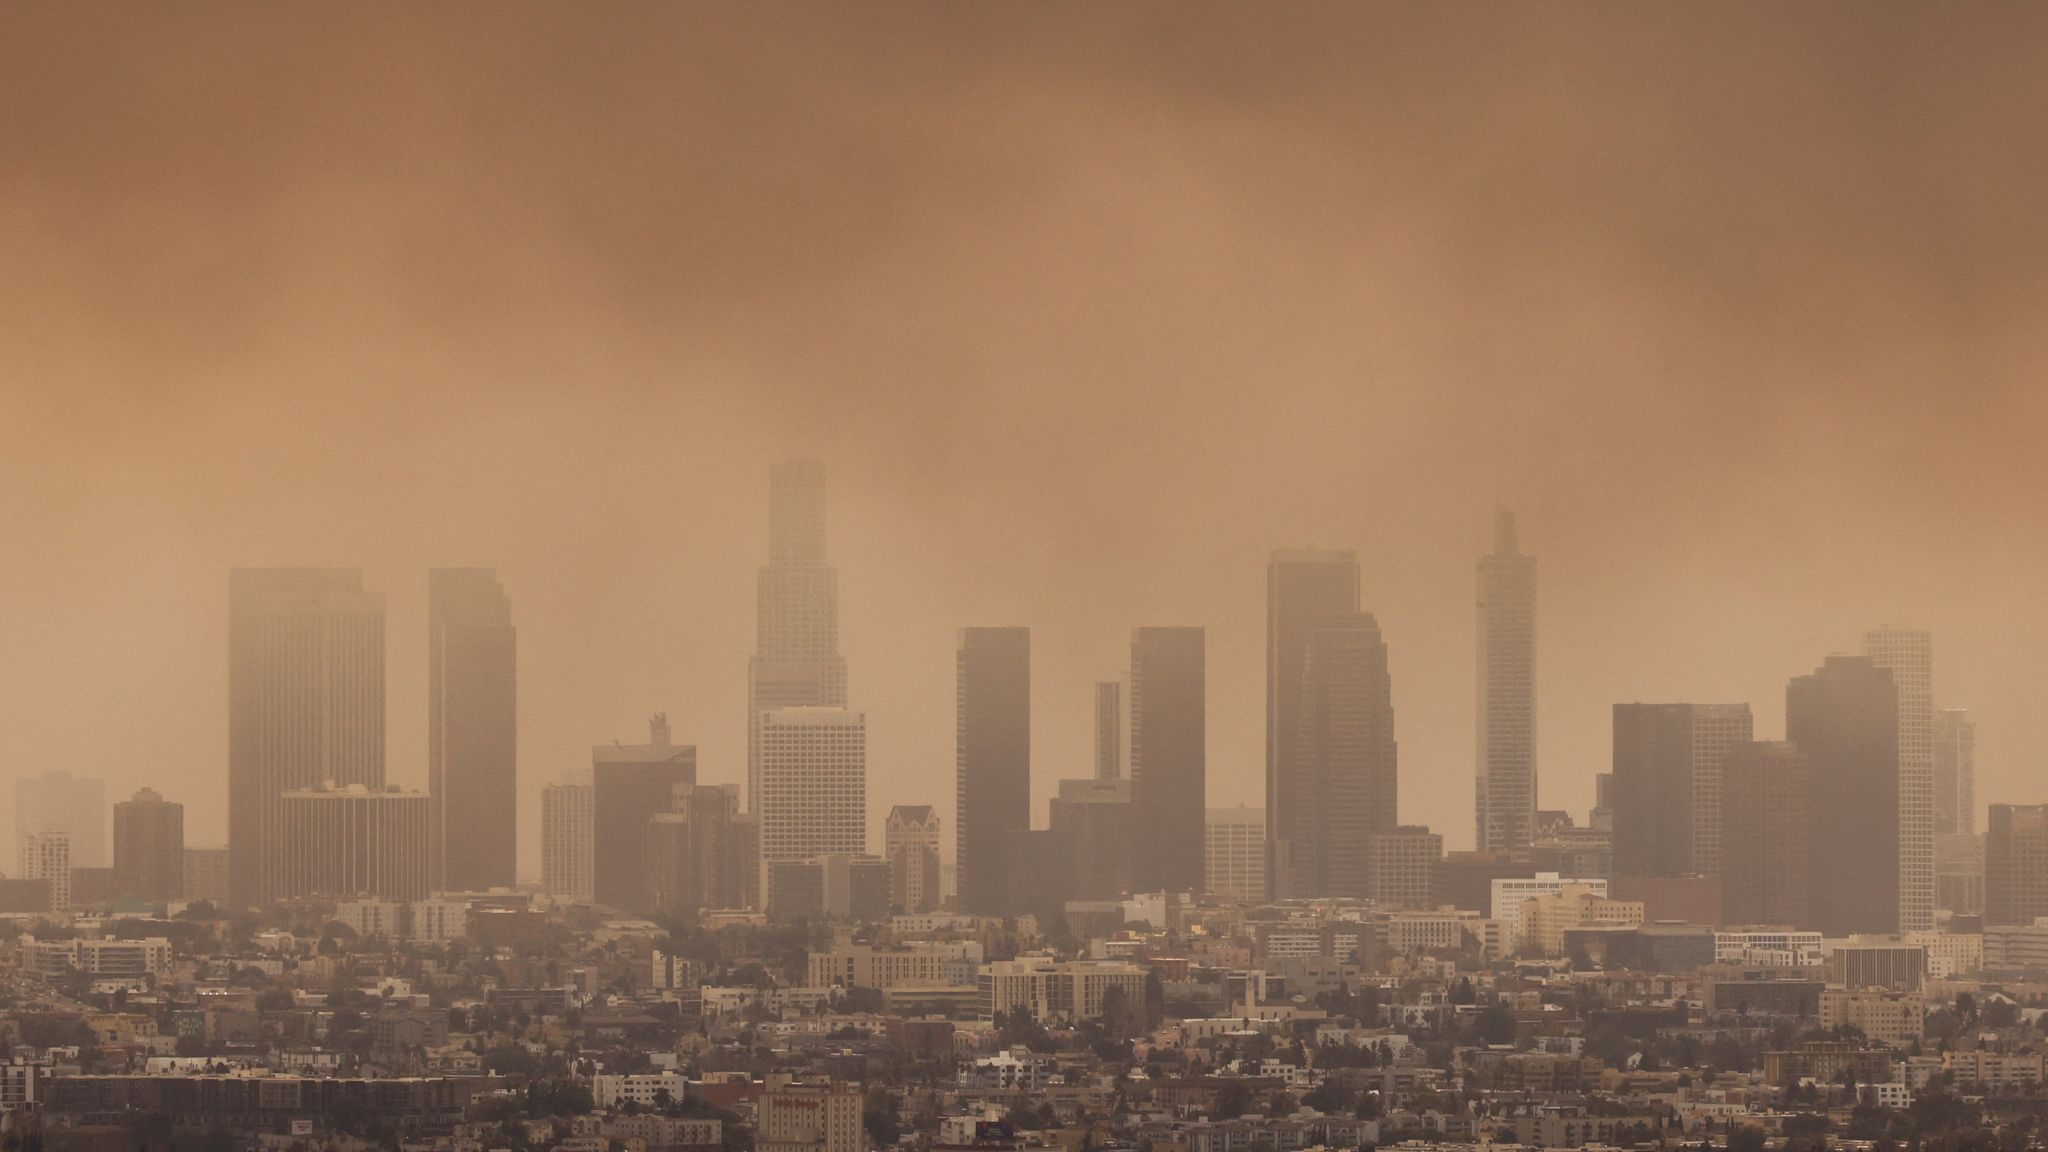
{"points": [[810, 1118]]}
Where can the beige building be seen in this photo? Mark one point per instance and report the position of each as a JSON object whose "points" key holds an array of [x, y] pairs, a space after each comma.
{"points": [[1054, 989], [1545, 919], [1234, 853], [865, 966], [810, 1118], [1896, 1019]]}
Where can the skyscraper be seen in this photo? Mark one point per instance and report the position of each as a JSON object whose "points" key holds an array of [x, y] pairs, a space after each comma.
{"points": [[149, 848], [1346, 786], [911, 842], [1234, 859], [305, 704], [568, 831], [1169, 756], [1109, 730], [472, 730], [814, 786], [694, 858], [1765, 865], [1506, 717], [796, 662], [629, 784], [1091, 830], [46, 856], [1955, 772], [1908, 654], [61, 802], [1844, 718], [992, 758], [1302, 587], [2016, 864], [352, 841], [1667, 787]]}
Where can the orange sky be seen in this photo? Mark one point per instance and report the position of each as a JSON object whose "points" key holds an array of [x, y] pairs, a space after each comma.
{"points": [[1085, 307]]}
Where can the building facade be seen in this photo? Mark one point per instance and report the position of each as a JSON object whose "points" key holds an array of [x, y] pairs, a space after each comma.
{"points": [[149, 848], [813, 797], [568, 831], [61, 802], [1234, 853], [1765, 864], [1908, 654], [910, 839], [629, 784], [2016, 864], [472, 730], [1303, 587], [796, 661], [992, 759], [1346, 785], [1506, 712], [1169, 756], [1844, 720], [1667, 789], [353, 841]]}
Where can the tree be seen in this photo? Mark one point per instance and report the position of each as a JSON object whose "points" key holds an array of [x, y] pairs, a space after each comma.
{"points": [[1232, 1100], [881, 1116]]}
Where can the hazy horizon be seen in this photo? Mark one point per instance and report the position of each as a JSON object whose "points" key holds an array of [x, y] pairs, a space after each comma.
{"points": [[1084, 309]]}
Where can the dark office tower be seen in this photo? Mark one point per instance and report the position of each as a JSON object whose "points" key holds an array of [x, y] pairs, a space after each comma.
{"points": [[1169, 756], [796, 662], [1109, 730], [992, 759], [1764, 859], [1091, 822], [2016, 864], [305, 704], [629, 784], [694, 861], [1302, 587], [1667, 789], [1345, 789], [149, 848], [1844, 718], [1506, 776], [1955, 772], [472, 730]]}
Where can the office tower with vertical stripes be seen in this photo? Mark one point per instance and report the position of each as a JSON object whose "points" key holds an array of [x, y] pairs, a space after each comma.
{"points": [[992, 759], [568, 832], [1109, 730], [1303, 586], [305, 705], [1346, 789], [1169, 756], [2016, 864], [814, 787], [472, 730], [1505, 776], [796, 661], [1955, 772], [1844, 718], [1908, 654]]}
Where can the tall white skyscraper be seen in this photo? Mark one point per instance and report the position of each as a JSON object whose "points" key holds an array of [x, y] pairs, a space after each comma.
{"points": [[1908, 654], [568, 829], [1955, 772], [813, 797], [796, 661], [1505, 791], [46, 855], [61, 802]]}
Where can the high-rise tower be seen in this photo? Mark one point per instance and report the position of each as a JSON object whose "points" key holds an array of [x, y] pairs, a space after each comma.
{"points": [[992, 759], [472, 731], [1347, 788], [1667, 788], [1169, 756], [1844, 718], [305, 705], [1908, 654], [1109, 730], [149, 848], [1302, 588], [814, 787], [1505, 792], [796, 661], [1955, 772], [629, 784]]}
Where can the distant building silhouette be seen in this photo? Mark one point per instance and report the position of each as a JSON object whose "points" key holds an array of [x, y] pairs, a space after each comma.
{"points": [[1908, 654], [149, 848], [1091, 833], [46, 856], [1403, 864], [1766, 814], [305, 705], [1345, 763], [796, 661], [568, 831], [2016, 864], [1667, 786], [911, 842], [629, 784], [813, 798], [1169, 756], [472, 730], [1302, 588], [206, 875], [1506, 773], [697, 856], [61, 802], [1955, 772], [1844, 719], [992, 759]]}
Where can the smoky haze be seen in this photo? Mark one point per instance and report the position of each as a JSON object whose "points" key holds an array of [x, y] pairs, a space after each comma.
{"points": [[1084, 307]]}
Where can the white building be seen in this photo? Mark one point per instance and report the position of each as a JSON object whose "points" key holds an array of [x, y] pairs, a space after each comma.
{"points": [[568, 835], [640, 1088], [1509, 894], [1768, 947], [46, 855], [439, 921], [1908, 654], [1234, 853], [814, 785], [372, 917]]}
